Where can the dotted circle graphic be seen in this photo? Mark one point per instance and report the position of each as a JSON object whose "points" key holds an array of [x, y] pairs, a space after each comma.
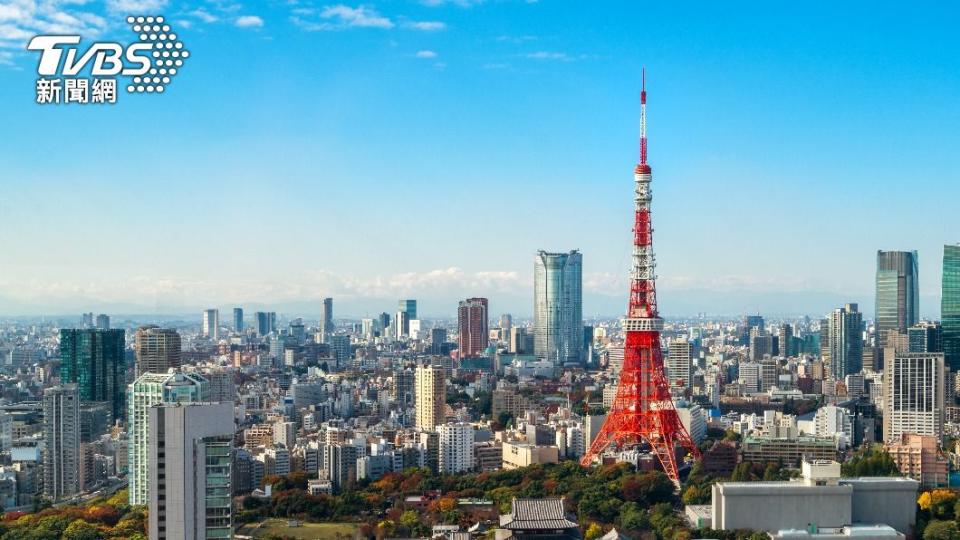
{"points": [[168, 51]]}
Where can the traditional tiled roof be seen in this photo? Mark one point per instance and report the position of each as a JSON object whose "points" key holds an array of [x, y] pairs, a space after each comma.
{"points": [[529, 514], [613, 535]]}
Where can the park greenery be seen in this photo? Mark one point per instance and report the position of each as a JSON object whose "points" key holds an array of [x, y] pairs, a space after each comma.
{"points": [[104, 518]]}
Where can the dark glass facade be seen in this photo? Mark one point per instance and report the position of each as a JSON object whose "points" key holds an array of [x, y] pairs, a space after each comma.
{"points": [[898, 296], [95, 361], [950, 307]]}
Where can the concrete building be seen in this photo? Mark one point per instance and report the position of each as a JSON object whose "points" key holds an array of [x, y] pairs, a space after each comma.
{"points": [[430, 396], [914, 395], [788, 450], [694, 420], [326, 320], [61, 442], [190, 471], [517, 455], [820, 499], [456, 447], [845, 341]]}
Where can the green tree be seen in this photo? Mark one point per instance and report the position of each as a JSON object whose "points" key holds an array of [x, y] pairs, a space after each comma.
{"points": [[81, 530], [941, 530]]}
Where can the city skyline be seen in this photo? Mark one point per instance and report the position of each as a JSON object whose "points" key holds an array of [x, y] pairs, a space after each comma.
{"points": [[801, 125]]}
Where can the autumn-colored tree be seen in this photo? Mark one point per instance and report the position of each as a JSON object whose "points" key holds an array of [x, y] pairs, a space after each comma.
{"points": [[594, 531]]}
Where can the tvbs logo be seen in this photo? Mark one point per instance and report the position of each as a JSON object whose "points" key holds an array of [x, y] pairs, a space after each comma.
{"points": [[151, 63]]}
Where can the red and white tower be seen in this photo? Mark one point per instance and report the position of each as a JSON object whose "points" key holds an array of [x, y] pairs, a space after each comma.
{"points": [[642, 410]]}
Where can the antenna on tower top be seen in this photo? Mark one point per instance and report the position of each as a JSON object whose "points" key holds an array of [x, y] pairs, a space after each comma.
{"points": [[643, 116]]}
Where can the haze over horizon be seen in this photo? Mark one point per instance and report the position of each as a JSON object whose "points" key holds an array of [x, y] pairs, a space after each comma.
{"points": [[446, 142]]}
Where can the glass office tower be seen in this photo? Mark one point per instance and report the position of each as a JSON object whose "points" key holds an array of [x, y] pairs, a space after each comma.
{"points": [[898, 297], [558, 307], [950, 307]]}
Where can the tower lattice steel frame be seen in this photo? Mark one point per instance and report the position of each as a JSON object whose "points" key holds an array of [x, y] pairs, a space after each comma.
{"points": [[643, 411]]}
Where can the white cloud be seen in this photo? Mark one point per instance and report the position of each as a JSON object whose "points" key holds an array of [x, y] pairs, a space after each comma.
{"points": [[6, 58], [136, 7], [249, 21], [427, 26], [22, 19], [203, 15], [426, 54], [359, 17], [461, 3], [548, 55]]}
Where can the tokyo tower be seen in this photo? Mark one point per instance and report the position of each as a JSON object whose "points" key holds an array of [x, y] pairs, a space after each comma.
{"points": [[642, 410]]}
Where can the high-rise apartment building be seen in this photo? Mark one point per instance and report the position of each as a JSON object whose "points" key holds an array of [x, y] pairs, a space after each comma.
{"points": [[157, 349], [845, 334], [914, 395], [472, 326], [61, 441], [898, 296], [430, 396], [238, 320], [456, 447], [326, 320], [679, 364], [94, 360], [558, 306], [148, 390], [950, 306], [190, 471]]}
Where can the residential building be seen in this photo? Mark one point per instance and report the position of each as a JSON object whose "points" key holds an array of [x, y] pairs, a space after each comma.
{"points": [[456, 447], [920, 458], [679, 366], [430, 396], [157, 349], [472, 327], [61, 442], [845, 341]]}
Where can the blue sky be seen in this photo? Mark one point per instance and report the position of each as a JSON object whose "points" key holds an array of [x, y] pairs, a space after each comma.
{"points": [[373, 151]]}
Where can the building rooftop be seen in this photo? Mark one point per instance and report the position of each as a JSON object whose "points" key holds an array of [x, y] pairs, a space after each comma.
{"points": [[536, 514]]}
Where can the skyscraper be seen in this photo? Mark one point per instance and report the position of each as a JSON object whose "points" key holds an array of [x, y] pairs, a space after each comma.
{"points": [[786, 341], [438, 336], [238, 320], [430, 396], [211, 324], [103, 322], [914, 395], [558, 307], [266, 322], [94, 360], [148, 390], [950, 306], [61, 441], [845, 333], [326, 320], [472, 327], [157, 349], [190, 471], [898, 297], [340, 349], [409, 307]]}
